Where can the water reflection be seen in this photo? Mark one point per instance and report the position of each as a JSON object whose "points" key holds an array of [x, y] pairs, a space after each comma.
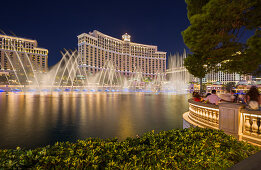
{"points": [[34, 120]]}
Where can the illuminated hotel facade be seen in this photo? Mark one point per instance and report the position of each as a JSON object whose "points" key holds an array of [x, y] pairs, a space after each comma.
{"points": [[127, 57], [224, 78], [18, 50]]}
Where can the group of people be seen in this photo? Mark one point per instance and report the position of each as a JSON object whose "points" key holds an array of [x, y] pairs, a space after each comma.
{"points": [[211, 98], [252, 98]]}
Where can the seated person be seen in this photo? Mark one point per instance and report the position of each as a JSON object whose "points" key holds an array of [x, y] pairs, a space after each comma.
{"points": [[196, 97], [206, 97], [208, 94], [213, 98], [253, 98]]}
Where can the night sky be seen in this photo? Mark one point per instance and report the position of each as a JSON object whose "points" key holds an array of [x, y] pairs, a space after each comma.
{"points": [[56, 24]]}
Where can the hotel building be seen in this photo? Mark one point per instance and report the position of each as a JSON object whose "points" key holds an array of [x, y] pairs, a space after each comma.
{"points": [[18, 50], [96, 49], [224, 78]]}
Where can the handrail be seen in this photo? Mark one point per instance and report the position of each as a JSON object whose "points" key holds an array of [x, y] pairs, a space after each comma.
{"points": [[203, 114], [203, 104], [257, 112]]}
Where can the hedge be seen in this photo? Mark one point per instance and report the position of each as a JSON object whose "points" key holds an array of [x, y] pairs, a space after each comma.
{"points": [[192, 148]]}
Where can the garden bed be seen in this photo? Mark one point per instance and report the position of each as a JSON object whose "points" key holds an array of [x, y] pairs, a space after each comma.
{"points": [[174, 149]]}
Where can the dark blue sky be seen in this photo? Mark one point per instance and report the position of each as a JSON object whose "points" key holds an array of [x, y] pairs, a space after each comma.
{"points": [[56, 24]]}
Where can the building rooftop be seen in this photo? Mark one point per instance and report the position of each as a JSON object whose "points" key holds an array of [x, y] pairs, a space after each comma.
{"points": [[20, 38], [126, 36], [24, 39]]}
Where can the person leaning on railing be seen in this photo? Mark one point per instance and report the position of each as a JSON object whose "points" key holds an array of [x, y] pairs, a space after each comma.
{"points": [[253, 99], [213, 98]]}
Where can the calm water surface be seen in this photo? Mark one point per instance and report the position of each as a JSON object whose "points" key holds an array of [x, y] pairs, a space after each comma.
{"points": [[35, 120]]}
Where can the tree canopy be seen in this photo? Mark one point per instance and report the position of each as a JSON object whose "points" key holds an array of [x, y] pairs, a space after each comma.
{"points": [[225, 35]]}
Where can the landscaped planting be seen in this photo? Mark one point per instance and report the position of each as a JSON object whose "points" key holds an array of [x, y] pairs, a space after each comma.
{"points": [[192, 148]]}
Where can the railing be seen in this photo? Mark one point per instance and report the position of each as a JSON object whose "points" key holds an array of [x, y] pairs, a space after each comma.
{"points": [[230, 117], [251, 126], [204, 114]]}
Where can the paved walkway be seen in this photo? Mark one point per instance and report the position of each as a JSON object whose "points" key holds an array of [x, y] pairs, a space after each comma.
{"points": [[253, 162]]}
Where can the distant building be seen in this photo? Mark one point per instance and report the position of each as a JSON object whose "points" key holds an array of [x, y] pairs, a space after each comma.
{"points": [[257, 75], [15, 50], [218, 87], [224, 78], [127, 57]]}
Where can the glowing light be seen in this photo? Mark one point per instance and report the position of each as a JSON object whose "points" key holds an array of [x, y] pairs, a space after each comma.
{"points": [[126, 37]]}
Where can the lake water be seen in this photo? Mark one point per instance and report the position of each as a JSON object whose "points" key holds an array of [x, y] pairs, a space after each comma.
{"points": [[35, 120]]}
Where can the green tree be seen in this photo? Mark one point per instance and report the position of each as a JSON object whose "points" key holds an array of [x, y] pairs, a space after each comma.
{"points": [[215, 35], [196, 66]]}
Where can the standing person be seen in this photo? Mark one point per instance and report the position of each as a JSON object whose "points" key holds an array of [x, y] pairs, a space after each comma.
{"points": [[253, 98], [213, 98]]}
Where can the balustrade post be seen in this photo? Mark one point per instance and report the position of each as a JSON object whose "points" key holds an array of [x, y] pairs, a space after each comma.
{"points": [[258, 125], [246, 126], [230, 119], [254, 125]]}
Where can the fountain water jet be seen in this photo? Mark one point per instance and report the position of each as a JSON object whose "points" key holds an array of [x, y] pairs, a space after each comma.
{"points": [[70, 74]]}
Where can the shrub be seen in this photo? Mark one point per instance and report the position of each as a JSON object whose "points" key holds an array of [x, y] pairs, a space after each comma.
{"points": [[192, 148]]}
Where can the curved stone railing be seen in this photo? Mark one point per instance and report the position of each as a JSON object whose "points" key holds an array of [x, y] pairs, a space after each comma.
{"points": [[230, 117], [204, 114]]}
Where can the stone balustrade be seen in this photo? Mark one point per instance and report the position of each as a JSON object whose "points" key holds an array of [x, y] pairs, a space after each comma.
{"points": [[232, 118], [206, 115], [251, 130]]}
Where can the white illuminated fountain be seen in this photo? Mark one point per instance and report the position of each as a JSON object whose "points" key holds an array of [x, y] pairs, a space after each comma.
{"points": [[70, 74], [178, 76]]}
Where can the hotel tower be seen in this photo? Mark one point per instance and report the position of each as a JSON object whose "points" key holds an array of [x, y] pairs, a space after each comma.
{"points": [[19, 50], [127, 57]]}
